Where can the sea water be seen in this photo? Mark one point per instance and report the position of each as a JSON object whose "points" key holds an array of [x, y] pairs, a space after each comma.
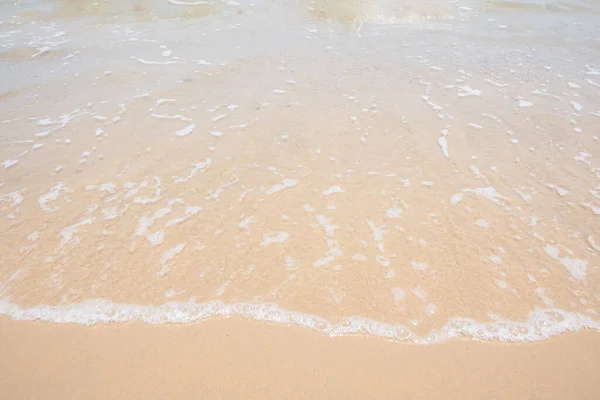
{"points": [[417, 171]]}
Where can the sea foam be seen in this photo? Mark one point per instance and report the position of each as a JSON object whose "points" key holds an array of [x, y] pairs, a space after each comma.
{"points": [[541, 324]]}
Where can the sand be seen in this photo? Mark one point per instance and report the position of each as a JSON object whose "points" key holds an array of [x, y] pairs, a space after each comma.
{"points": [[235, 358], [394, 168]]}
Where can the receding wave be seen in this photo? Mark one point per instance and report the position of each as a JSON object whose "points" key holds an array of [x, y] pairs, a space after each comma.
{"points": [[540, 325]]}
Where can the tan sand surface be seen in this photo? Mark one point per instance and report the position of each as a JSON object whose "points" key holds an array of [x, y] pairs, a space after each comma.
{"points": [[240, 359]]}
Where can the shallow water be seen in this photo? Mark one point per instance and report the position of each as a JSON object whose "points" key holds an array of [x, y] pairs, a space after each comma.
{"points": [[432, 166]]}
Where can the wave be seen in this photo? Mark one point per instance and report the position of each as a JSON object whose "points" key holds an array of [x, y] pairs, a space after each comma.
{"points": [[540, 325]]}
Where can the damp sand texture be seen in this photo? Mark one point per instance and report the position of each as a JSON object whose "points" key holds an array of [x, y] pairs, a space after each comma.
{"points": [[392, 180]]}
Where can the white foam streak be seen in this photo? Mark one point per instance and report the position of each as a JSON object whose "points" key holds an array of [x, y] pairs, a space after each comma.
{"points": [[202, 165], [489, 193], [274, 237], [9, 163], [15, 197], [189, 212], [187, 3], [169, 255], [185, 131], [443, 142], [541, 324], [149, 62], [52, 195], [333, 190], [456, 198], [285, 183], [468, 91], [177, 116]]}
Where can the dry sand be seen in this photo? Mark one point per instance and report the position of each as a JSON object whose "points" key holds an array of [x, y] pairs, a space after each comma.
{"points": [[240, 359]]}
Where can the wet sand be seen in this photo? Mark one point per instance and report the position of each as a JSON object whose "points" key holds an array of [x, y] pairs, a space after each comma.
{"points": [[420, 172], [235, 358]]}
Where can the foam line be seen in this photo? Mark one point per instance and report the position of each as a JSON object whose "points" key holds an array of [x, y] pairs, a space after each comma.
{"points": [[541, 324]]}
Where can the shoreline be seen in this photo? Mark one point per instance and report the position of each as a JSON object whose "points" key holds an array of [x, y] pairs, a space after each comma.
{"points": [[239, 358], [540, 325]]}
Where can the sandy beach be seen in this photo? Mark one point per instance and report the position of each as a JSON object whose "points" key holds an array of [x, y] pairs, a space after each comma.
{"points": [[300, 199], [234, 358]]}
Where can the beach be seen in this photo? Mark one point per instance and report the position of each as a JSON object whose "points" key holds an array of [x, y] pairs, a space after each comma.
{"points": [[233, 358], [295, 185]]}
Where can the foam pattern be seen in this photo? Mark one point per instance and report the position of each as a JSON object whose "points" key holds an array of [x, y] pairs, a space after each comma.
{"points": [[540, 325]]}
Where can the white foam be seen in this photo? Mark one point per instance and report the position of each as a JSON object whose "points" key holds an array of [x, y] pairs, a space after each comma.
{"points": [[595, 210], [202, 165], [443, 142], [576, 106], [418, 266], [68, 232], [150, 62], [157, 194], [454, 200], [593, 244], [382, 260], [15, 197], [162, 101], [495, 259], [468, 91], [541, 324], [541, 292], [185, 131], [525, 103], [216, 133], [377, 235], [9, 163], [419, 292], [217, 193], [289, 262], [145, 222], [561, 191], [177, 116], [330, 256], [393, 213], [333, 251], [169, 255], [285, 183], [524, 196], [189, 212], [552, 251], [359, 257], [498, 84], [576, 267], [156, 238], [476, 171], [433, 105], [482, 223], [274, 237], [245, 222], [333, 190], [489, 193], [52, 195], [329, 228], [110, 213]]}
